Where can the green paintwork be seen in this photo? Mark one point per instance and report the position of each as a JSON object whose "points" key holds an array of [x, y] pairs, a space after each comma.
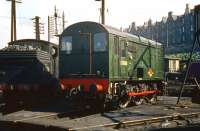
{"points": [[140, 53], [124, 55]]}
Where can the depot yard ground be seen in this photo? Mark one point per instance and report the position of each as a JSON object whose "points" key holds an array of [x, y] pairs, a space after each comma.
{"points": [[165, 114]]}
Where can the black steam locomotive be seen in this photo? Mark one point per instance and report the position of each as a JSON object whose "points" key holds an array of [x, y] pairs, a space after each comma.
{"points": [[28, 70]]}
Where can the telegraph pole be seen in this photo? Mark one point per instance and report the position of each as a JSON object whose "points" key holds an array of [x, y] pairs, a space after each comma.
{"points": [[102, 11], [56, 24], [13, 20], [56, 21], [51, 30], [38, 28], [63, 20]]}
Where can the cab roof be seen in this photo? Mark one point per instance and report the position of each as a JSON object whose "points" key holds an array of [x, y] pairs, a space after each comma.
{"points": [[115, 31]]}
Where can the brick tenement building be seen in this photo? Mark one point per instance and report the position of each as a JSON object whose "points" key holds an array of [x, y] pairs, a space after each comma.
{"points": [[175, 32]]}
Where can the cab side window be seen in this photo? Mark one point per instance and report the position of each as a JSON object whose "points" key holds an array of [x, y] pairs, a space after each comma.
{"points": [[116, 44], [123, 48]]}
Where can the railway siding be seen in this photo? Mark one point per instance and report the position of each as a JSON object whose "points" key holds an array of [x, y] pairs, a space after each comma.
{"points": [[164, 114]]}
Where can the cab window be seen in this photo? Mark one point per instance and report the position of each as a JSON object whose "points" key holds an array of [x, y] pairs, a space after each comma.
{"points": [[123, 48], [116, 45], [99, 42], [66, 44]]}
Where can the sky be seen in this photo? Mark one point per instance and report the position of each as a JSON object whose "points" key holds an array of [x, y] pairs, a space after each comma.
{"points": [[119, 13]]}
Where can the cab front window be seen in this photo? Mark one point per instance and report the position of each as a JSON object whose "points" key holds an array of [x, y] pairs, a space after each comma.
{"points": [[66, 44], [100, 42]]}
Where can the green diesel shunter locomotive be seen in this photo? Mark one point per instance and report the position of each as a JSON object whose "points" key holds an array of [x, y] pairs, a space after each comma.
{"points": [[101, 64]]}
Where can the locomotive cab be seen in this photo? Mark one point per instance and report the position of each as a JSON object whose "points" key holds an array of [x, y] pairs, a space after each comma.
{"points": [[84, 58]]}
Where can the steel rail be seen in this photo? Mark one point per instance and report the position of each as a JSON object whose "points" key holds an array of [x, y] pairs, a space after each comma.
{"points": [[36, 117], [142, 121], [61, 114]]}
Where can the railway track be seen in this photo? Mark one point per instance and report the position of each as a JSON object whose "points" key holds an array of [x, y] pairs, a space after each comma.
{"points": [[144, 116], [163, 122]]}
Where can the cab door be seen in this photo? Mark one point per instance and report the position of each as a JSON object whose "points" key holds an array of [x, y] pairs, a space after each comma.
{"points": [[85, 53], [116, 58]]}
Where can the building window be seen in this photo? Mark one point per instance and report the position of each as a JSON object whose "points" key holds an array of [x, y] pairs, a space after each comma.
{"points": [[183, 38], [183, 29], [183, 21], [191, 28], [180, 31], [173, 65], [191, 18], [173, 40]]}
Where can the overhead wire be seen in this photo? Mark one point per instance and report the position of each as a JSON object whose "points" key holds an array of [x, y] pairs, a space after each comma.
{"points": [[8, 17]]}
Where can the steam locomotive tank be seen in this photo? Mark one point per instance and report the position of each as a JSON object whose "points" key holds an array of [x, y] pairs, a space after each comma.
{"points": [[27, 71]]}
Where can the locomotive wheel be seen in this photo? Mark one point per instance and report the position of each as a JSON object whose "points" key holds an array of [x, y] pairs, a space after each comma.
{"points": [[138, 101], [153, 99], [73, 94], [124, 101]]}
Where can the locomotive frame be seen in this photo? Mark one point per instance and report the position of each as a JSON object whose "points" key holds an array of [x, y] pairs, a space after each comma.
{"points": [[109, 66]]}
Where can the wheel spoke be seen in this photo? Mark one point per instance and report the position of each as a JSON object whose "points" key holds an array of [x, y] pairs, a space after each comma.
{"points": [[124, 101], [138, 100]]}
